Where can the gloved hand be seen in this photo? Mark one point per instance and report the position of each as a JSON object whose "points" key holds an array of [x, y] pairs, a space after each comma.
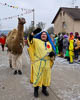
{"points": [[37, 30], [33, 33], [51, 54]]}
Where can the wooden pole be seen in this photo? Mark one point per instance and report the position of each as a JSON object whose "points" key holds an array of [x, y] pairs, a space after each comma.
{"points": [[33, 18]]}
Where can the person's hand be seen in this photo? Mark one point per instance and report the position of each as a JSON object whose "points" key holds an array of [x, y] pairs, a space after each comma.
{"points": [[51, 54]]}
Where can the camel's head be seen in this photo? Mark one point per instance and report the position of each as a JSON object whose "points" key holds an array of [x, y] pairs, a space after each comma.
{"points": [[21, 20]]}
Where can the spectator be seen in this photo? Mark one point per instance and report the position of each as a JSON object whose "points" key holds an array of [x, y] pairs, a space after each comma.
{"points": [[65, 44], [78, 48], [3, 39], [71, 47], [60, 44]]}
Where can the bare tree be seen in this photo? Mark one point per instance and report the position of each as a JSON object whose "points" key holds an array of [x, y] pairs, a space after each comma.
{"points": [[50, 30], [40, 25]]}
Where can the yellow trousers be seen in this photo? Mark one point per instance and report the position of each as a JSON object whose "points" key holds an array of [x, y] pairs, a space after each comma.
{"points": [[71, 54]]}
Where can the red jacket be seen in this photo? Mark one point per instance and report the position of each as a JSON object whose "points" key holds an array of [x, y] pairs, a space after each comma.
{"points": [[2, 40]]}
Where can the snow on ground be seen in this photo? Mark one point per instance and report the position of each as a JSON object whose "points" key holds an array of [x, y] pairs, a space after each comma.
{"points": [[66, 79]]}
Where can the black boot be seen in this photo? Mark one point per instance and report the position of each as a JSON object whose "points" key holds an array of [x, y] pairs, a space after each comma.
{"points": [[44, 91], [19, 72], [36, 91], [15, 72]]}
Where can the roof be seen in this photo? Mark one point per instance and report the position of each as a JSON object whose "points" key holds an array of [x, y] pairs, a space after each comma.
{"points": [[73, 12]]}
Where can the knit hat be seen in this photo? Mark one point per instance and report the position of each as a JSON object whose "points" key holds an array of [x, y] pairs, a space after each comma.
{"points": [[65, 36], [71, 33]]}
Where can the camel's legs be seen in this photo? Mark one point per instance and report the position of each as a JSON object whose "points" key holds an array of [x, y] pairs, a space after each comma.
{"points": [[17, 63], [10, 63], [10, 59]]}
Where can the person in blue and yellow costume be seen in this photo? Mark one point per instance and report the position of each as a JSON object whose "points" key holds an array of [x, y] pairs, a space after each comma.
{"points": [[43, 52], [71, 47]]}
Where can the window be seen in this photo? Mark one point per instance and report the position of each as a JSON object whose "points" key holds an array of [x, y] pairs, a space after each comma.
{"points": [[63, 13], [60, 14], [64, 25]]}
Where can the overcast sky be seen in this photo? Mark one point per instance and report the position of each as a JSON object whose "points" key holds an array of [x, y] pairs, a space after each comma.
{"points": [[45, 11]]}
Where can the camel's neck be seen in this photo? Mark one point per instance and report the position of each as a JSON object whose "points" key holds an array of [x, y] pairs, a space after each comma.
{"points": [[20, 31]]}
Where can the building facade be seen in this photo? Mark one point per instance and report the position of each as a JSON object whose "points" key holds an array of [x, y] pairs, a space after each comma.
{"points": [[67, 20]]}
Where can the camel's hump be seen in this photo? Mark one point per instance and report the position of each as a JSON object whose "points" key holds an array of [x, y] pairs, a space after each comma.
{"points": [[11, 35], [12, 32]]}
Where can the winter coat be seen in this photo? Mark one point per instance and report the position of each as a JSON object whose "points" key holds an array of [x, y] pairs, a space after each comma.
{"points": [[3, 40], [78, 44], [65, 43]]}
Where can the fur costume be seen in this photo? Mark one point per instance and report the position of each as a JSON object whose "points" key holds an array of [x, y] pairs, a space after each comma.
{"points": [[15, 44]]}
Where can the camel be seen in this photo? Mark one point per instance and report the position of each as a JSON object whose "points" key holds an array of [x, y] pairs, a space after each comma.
{"points": [[15, 44]]}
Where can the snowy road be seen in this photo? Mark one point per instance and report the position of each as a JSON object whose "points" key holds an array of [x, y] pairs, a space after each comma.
{"points": [[65, 83]]}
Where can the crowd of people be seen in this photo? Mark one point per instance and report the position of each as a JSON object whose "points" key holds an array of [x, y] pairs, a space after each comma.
{"points": [[67, 46]]}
